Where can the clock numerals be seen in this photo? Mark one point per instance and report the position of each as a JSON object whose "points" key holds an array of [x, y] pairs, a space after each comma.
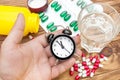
{"points": [[54, 45], [60, 38]]}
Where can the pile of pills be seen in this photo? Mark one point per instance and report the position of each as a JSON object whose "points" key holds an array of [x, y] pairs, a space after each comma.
{"points": [[62, 12], [88, 66]]}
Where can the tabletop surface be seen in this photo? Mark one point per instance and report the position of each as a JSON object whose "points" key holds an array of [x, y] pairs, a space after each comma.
{"points": [[111, 69]]}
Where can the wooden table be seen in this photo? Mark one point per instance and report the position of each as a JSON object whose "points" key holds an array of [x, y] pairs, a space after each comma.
{"points": [[111, 70]]}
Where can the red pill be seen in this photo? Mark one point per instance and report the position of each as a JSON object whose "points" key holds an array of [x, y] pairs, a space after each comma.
{"points": [[77, 77]]}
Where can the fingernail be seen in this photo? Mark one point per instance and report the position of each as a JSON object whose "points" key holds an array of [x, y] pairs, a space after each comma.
{"points": [[78, 34]]}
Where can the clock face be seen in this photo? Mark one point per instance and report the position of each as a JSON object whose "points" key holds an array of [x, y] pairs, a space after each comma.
{"points": [[62, 47]]}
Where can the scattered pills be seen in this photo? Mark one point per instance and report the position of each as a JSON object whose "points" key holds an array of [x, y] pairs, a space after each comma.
{"points": [[88, 67], [71, 71]]}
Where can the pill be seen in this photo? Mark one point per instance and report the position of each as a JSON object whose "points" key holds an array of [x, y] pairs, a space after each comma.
{"points": [[83, 55], [78, 76], [71, 71], [98, 65], [105, 58], [91, 66], [75, 65], [88, 60], [84, 67], [80, 70], [63, 14], [44, 18], [97, 61], [91, 58], [41, 15], [73, 23], [79, 2], [75, 28], [50, 25], [91, 74], [101, 59], [58, 7], [77, 62], [54, 28], [67, 17], [31, 37], [88, 63], [54, 4], [83, 4], [84, 63], [86, 74], [76, 68], [79, 65]]}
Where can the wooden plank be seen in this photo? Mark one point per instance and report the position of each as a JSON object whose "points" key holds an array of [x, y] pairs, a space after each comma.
{"points": [[111, 70]]}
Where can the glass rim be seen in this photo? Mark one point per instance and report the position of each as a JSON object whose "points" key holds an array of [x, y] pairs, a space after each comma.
{"points": [[106, 4]]}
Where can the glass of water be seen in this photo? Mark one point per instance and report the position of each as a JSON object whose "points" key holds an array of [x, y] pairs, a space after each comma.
{"points": [[98, 24]]}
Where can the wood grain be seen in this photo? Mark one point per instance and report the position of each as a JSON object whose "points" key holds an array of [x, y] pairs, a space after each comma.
{"points": [[111, 70]]}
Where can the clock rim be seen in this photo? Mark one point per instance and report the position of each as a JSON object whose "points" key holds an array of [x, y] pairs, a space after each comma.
{"points": [[55, 39]]}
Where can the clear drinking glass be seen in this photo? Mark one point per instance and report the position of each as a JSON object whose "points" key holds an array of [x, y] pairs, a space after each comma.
{"points": [[98, 24]]}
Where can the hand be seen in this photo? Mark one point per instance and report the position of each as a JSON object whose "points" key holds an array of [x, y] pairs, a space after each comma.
{"points": [[31, 60]]}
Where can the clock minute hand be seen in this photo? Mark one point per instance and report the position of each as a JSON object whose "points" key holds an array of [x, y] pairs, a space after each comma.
{"points": [[64, 47], [66, 50]]}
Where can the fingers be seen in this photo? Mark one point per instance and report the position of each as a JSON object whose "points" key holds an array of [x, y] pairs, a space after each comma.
{"points": [[16, 33], [76, 39], [52, 61], [60, 68], [78, 53], [43, 40]]}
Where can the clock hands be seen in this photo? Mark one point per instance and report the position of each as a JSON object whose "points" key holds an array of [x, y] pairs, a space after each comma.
{"points": [[64, 47], [60, 45]]}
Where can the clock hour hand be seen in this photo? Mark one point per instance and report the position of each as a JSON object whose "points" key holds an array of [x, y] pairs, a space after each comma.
{"points": [[60, 44]]}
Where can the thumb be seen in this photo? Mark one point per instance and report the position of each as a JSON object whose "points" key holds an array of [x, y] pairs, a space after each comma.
{"points": [[16, 34]]}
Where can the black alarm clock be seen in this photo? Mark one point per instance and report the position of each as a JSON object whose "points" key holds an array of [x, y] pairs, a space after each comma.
{"points": [[62, 46]]}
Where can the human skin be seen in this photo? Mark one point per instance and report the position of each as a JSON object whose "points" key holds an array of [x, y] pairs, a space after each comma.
{"points": [[31, 60]]}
